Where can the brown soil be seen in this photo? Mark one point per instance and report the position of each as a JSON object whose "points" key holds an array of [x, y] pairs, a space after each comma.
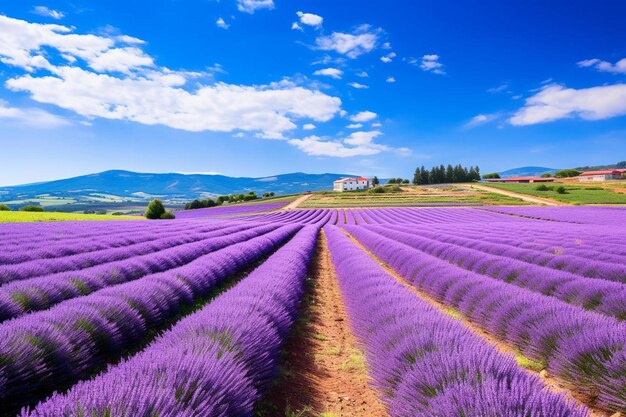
{"points": [[551, 383], [323, 371]]}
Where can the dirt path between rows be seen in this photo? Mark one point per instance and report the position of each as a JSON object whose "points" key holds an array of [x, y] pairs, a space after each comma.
{"points": [[525, 197], [294, 204], [323, 372], [551, 383]]}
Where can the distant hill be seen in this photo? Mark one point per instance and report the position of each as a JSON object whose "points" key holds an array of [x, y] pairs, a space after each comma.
{"points": [[597, 167], [527, 172], [117, 186]]}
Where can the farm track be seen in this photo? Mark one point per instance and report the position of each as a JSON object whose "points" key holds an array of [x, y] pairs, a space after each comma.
{"points": [[323, 369], [530, 199], [551, 383], [295, 204]]}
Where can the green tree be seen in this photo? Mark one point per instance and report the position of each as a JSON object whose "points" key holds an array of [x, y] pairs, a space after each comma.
{"points": [[567, 173], [546, 175], [155, 209], [4, 207], [493, 175], [375, 181], [32, 207], [168, 215], [449, 173], [424, 174], [406, 181]]}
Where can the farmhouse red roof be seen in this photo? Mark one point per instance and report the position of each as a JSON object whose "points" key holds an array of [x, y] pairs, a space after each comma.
{"points": [[353, 179]]}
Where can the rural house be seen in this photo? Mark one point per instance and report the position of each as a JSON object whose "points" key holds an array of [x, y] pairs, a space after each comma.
{"points": [[352, 184], [603, 175]]}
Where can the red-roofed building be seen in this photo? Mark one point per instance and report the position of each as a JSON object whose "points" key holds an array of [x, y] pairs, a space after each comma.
{"points": [[352, 184], [601, 175], [519, 179]]}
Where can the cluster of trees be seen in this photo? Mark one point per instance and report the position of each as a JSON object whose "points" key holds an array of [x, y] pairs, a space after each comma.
{"points": [[567, 173], [233, 198], [445, 175], [491, 176], [560, 189], [398, 181], [385, 189], [29, 207], [156, 210]]}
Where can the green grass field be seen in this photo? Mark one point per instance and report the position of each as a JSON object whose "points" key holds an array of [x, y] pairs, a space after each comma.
{"points": [[411, 196], [575, 194], [28, 217]]}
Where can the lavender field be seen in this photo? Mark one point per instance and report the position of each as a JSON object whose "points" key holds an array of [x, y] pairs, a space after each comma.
{"points": [[458, 311]]}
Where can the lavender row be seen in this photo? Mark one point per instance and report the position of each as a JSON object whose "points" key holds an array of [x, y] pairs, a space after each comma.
{"points": [[67, 247], [21, 297], [615, 271], [39, 267], [586, 350], [424, 362], [585, 215], [216, 362], [591, 294], [54, 348]]}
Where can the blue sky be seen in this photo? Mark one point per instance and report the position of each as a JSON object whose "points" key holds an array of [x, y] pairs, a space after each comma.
{"points": [[260, 87]]}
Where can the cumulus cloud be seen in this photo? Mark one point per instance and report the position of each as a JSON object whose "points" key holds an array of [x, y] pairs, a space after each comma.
{"points": [[310, 19], [390, 79], [251, 6], [359, 143], [362, 74], [31, 117], [221, 23], [296, 26], [309, 126], [388, 58], [358, 86], [431, 63], [481, 119], [330, 72], [554, 102], [353, 45], [618, 68], [364, 116], [355, 126], [121, 82], [45, 11]]}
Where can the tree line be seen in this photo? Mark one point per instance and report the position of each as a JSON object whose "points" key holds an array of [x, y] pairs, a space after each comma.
{"points": [[230, 199], [446, 175]]}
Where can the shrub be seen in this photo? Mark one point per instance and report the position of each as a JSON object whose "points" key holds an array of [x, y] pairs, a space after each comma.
{"points": [[377, 190], [168, 215], [546, 175], [567, 173], [155, 209], [493, 175], [543, 187], [561, 190], [4, 207], [32, 207]]}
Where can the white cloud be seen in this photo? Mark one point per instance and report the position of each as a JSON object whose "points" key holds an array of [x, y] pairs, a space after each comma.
{"points": [[296, 26], [358, 86], [123, 83], [37, 118], [330, 72], [388, 58], [431, 63], [355, 126], [250, 6], [362, 74], [364, 116], [499, 89], [386, 45], [220, 23], [356, 144], [480, 119], [45, 11], [310, 19], [554, 102], [309, 126], [377, 124], [618, 68], [362, 41], [390, 79]]}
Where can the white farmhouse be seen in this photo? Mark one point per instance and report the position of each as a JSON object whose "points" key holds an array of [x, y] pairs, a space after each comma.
{"points": [[352, 184], [604, 175]]}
